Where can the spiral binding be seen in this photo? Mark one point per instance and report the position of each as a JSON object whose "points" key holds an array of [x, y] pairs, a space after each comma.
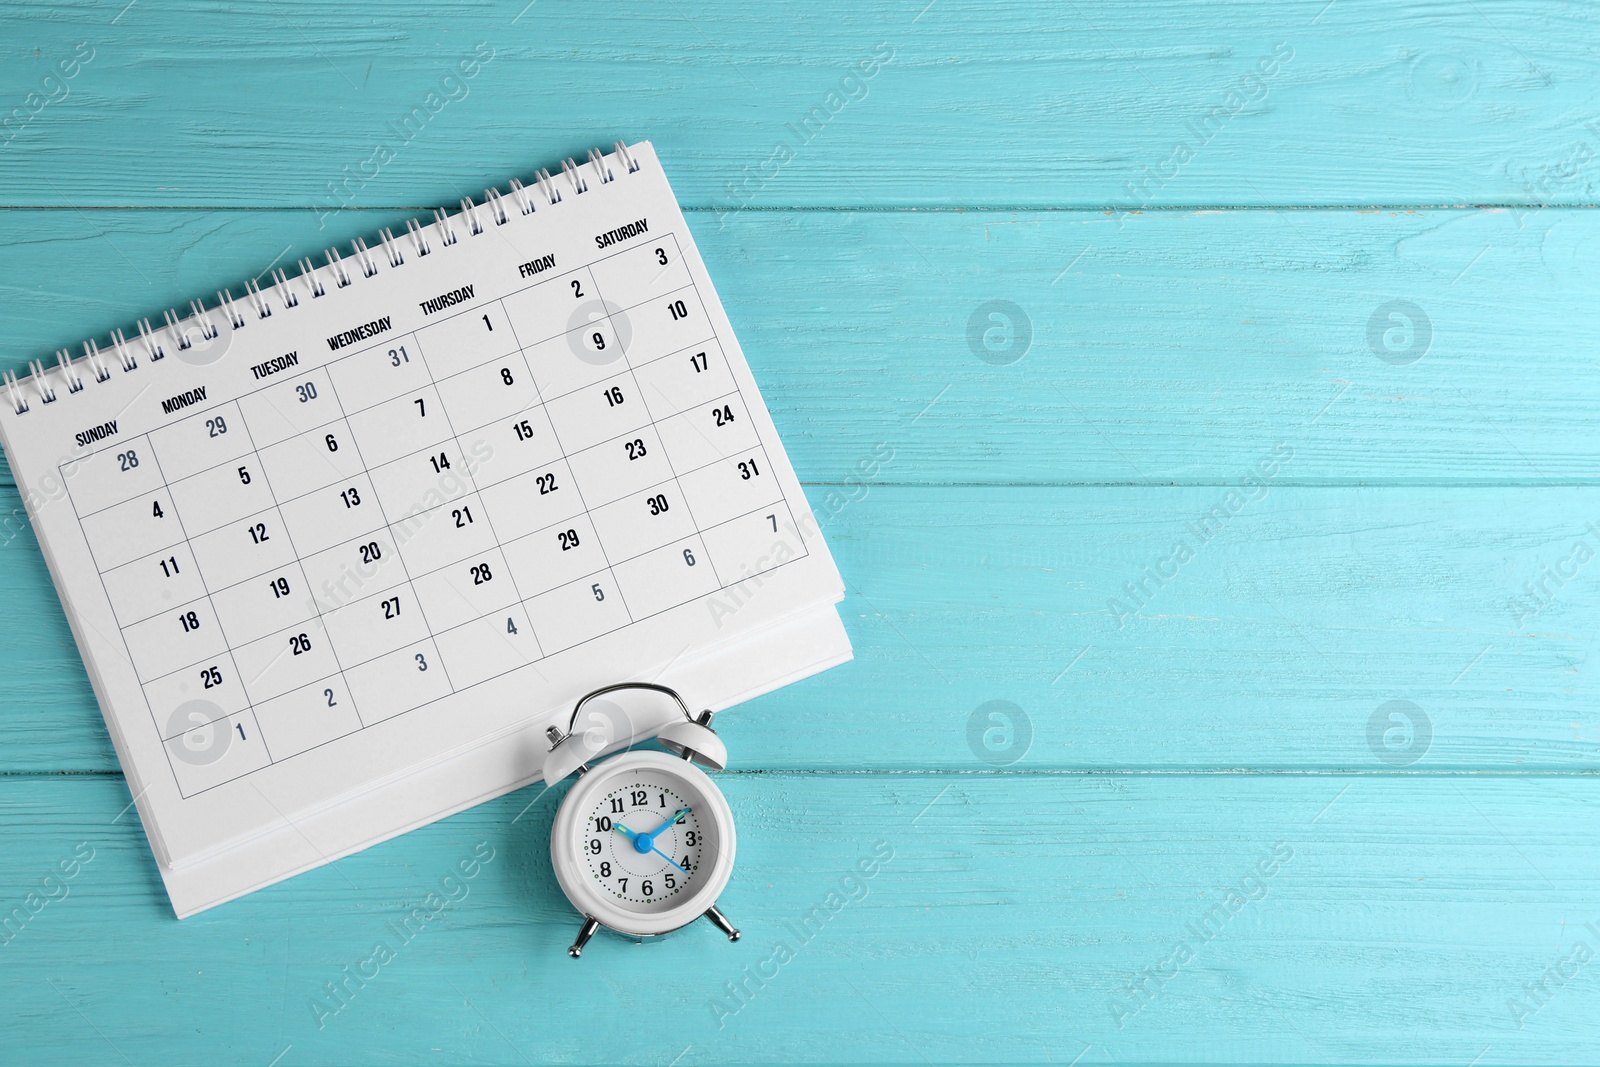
{"points": [[313, 281]]}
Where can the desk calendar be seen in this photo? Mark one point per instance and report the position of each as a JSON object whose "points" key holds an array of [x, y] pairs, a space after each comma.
{"points": [[336, 551]]}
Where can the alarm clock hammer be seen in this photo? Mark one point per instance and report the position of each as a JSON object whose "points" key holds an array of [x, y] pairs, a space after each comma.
{"points": [[643, 883]]}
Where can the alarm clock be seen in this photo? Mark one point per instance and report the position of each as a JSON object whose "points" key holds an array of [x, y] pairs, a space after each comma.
{"points": [[643, 842]]}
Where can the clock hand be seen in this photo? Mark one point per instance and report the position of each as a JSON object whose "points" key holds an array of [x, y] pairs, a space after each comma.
{"points": [[668, 858], [645, 842], [674, 817]]}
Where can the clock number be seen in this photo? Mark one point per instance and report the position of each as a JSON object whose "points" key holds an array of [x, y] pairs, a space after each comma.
{"points": [[624, 882], [216, 427], [568, 539], [605, 870], [698, 362], [391, 608], [602, 823], [671, 882], [299, 644], [306, 392], [616, 806], [210, 677], [748, 469], [639, 798], [646, 888], [547, 483], [690, 839], [594, 846], [679, 311], [128, 460], [657, 503]]}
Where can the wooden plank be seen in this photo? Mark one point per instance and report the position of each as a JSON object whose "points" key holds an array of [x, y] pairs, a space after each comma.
{"points": [[1274, 639], [1008, 923], [1102, 103], [1173, 349]]}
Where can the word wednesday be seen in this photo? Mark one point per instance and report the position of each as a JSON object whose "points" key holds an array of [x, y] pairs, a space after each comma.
{"points": [[360, 333]]}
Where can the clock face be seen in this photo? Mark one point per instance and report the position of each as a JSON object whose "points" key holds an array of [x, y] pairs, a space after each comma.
{"points": [[644, 841]]}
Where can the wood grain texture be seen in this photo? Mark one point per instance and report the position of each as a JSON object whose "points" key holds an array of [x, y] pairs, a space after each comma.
{"points": [[1097, 103], [1009, 920], [1271, 647], [1168, 348], [1203, 296]]}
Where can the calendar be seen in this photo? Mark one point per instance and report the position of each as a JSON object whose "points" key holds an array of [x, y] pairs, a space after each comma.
{"points": [[337, 550]]}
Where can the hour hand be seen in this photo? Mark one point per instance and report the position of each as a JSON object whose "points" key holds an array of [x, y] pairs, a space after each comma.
{"points": [[629, 834]]}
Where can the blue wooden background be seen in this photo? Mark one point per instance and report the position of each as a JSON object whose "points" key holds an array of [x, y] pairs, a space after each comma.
{"points": [[1276, 314]]}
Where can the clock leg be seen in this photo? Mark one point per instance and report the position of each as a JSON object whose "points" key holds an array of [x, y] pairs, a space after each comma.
{"points": [[589, 927], [722, 923]]}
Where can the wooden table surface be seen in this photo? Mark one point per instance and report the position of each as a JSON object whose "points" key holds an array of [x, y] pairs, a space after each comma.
{"points": [[1213, 386]]}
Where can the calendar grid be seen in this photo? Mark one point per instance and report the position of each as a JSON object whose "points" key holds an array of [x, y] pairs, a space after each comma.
{"points": [[666, 453], [388, 525], [225, 717], [471, 475], [565, 455], [620, 537], [299, 566]]}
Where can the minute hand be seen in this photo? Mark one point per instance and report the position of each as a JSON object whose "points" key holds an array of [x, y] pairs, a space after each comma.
{"points": [[674, 817]]}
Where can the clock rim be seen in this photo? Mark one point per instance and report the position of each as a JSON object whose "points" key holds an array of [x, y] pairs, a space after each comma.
{"points": [[578, 888]]}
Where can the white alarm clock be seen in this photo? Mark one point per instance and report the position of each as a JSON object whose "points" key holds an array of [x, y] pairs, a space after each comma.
{"points": [[643, 842]]}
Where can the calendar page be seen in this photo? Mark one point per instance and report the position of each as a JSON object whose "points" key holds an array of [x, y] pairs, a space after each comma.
{"points": [[412, 503]]}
